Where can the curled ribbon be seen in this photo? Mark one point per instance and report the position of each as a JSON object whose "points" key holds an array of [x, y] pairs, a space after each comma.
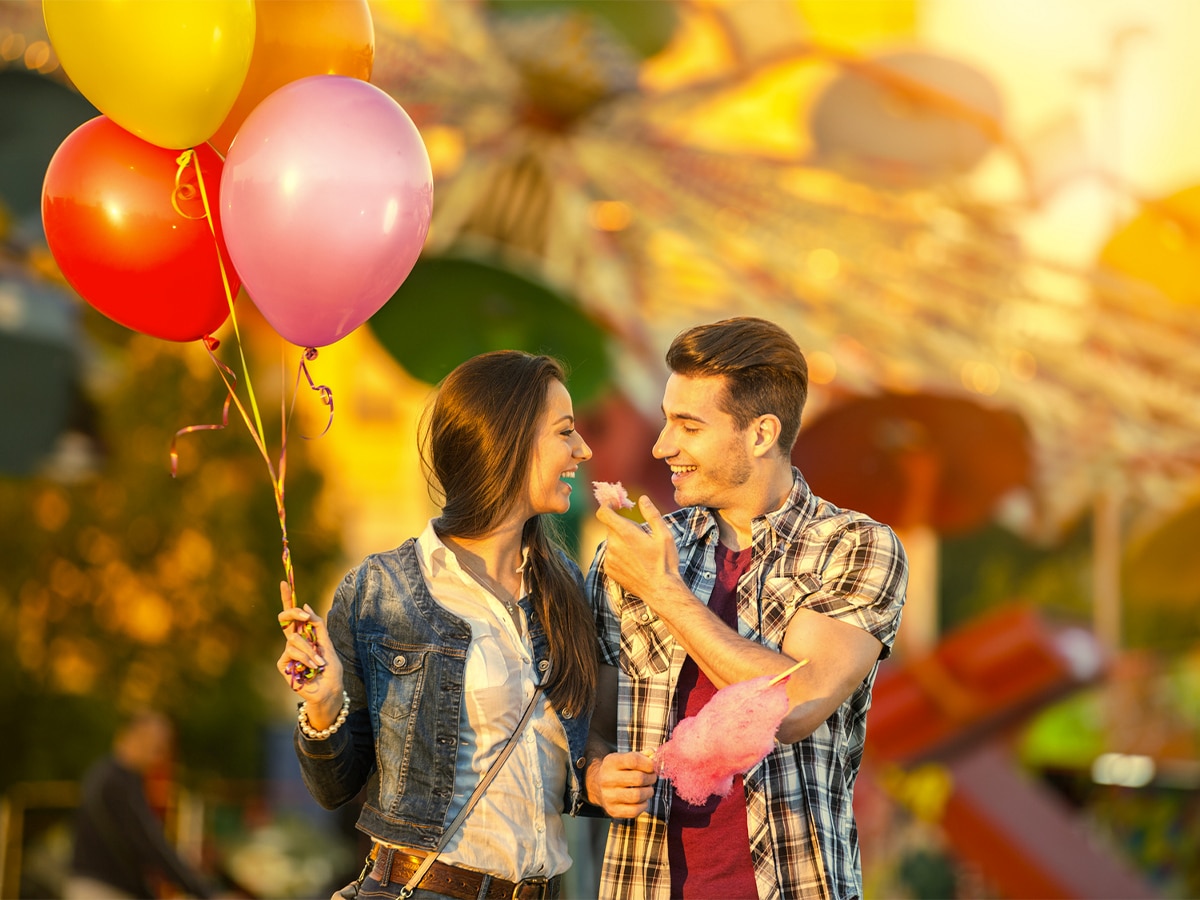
{"points": [[323, 391]]}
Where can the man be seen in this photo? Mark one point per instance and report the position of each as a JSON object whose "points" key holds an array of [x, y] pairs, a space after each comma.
{"points": [[751, 575], [119, 843]]}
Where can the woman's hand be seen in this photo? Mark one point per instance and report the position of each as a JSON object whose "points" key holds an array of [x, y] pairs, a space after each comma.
{"points": [[308, 662], [621, 784]]}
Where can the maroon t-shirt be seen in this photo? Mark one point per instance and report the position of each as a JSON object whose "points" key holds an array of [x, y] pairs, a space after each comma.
{"points": [[713, 836]]}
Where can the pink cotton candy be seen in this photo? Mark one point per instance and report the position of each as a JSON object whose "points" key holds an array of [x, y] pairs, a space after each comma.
{"points": [[611, 494], [732, 734]]}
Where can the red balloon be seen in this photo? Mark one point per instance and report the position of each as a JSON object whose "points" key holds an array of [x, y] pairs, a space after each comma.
{"points": [[109, 212]]}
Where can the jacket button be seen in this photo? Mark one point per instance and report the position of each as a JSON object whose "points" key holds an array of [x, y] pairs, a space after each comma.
{"points": [[581, 762], [543, 665], [398, 661], [566, 713]]}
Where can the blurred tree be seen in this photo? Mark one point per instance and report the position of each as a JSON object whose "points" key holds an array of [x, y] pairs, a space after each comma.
{"points": [[992, 567], [130, 587]]}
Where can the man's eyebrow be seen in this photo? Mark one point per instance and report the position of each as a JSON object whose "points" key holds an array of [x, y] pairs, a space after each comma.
{"points": [[683, 417]]}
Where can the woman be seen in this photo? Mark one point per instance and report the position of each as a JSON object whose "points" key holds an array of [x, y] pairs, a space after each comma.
{"points": [[441, 643]]}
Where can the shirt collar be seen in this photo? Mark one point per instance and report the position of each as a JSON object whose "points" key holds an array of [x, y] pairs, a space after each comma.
{"points": [[698, 523], [437, 556]]}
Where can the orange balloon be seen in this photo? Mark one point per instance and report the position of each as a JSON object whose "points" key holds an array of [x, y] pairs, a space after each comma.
{"points": [[297, 38]]}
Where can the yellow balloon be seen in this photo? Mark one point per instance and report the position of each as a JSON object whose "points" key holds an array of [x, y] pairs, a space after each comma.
{"points": [[166, 70]]}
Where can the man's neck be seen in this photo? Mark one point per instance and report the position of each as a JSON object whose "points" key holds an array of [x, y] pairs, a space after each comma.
{"points": [[735, 522]]}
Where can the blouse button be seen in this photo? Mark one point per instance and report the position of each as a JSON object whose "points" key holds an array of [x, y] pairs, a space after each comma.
{"points": [[398, 661]]}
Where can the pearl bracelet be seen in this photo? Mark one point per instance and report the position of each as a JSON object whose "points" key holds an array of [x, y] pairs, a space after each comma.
{"points": [[311, 733]]}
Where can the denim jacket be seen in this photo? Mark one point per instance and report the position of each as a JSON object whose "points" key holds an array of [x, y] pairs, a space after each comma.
{"points": [[405, 658]]}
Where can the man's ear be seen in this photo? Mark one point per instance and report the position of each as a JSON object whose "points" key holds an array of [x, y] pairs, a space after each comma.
{"points": [[765, 434]]}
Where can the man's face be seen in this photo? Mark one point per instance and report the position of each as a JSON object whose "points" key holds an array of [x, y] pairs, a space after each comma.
{"points": [[708, 455]]}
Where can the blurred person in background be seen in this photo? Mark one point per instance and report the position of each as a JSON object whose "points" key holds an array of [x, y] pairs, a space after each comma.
{"points": [[120, 850], [432, 651], [753, 573]]}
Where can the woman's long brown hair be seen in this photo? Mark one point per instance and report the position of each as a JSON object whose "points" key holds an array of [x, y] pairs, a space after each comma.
{"points": [[477, 444]]}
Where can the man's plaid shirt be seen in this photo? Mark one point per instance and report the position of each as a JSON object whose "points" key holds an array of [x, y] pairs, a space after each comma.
{"points": [[808, 554]]}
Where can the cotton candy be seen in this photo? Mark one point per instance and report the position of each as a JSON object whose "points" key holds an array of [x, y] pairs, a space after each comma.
{"points": [[611, 494], [731, 734]]}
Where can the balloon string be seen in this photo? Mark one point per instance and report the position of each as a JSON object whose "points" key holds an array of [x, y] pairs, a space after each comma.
{"points": [[210, 345], [186, 158], [252, 418]]}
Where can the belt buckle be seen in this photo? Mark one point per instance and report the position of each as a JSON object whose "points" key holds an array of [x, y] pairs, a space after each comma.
{"points": [[541, 892]]}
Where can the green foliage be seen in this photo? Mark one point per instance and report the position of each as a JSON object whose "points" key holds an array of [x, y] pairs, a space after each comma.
{"points": [[131, 587]]}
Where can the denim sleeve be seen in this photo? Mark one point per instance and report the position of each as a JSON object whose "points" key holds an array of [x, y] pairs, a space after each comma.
{"points": [[335, 769]]}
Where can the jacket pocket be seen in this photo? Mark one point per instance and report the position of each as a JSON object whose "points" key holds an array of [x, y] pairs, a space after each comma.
{"points": [[399, 675]]}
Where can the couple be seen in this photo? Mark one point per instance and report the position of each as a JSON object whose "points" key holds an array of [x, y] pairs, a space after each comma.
{"points": [[435, 653]]}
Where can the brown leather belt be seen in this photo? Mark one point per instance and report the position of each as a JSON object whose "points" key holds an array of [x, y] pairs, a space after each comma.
{"points": [[455, 881]]}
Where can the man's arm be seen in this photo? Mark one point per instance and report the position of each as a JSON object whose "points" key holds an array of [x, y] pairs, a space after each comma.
{"points": [[646, 564], [840, 654]]}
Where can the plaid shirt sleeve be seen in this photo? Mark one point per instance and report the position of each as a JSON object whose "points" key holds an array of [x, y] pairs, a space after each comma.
{"points": [[863, 580]]}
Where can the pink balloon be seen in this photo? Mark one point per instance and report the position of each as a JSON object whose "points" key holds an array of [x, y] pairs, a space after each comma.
{"points": [[326, 197]]}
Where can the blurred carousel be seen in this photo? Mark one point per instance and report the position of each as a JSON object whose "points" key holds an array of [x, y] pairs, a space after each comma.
{"points": [[607, 174]]}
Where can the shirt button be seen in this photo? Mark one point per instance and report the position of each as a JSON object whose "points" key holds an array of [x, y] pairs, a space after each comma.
{"points": [[645, 617]]}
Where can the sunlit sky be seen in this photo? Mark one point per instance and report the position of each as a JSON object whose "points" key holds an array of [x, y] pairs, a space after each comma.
{"points": [[1118, 73]]}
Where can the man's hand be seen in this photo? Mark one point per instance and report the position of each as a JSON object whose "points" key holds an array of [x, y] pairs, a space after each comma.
{"points": [[645, 564], [621, 783]]}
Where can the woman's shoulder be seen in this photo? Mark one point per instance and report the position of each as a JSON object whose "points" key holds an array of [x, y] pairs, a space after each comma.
{"points": [[406, 552], [387, 567]]}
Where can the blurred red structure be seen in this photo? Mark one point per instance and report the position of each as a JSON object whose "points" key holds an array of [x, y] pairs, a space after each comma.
{"points": [[953, 709], [916, 459]]}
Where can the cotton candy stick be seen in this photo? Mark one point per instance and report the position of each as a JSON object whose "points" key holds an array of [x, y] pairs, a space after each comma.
{"points": [[786, 673], [611, 494], [730, 735]]}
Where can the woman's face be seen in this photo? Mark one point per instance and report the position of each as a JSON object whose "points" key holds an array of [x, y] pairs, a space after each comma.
{"points": [[557, 452]]}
